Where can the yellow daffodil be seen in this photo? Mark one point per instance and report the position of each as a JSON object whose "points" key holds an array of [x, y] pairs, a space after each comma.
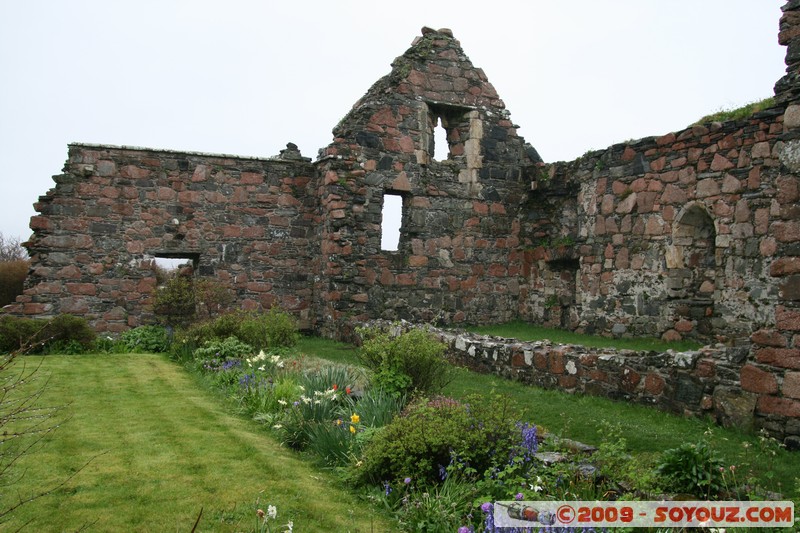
{"points": [[355, 419]]}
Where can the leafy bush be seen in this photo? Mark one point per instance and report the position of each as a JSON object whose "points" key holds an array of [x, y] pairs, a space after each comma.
{"points": [[174, 301], [272, 329], [433, 435], [262, 331], [691, 469], [410, 362], [63, 333], [12, 279], [150, 339], [229, 348]]}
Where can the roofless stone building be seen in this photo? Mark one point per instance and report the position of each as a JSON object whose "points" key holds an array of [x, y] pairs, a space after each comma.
{"points": [[692, 234]]}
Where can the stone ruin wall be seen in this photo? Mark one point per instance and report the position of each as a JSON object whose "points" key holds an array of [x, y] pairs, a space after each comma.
{"points": [[459, 257], [692, 234], [246, 222]]}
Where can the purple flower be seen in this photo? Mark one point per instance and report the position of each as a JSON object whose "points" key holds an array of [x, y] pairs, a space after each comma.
{"points": [[387, 488], [465, 529], [518, 496], [407, 480], [489, 522]]}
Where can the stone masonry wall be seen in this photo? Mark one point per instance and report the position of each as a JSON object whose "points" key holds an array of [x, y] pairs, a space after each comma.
{"points": [[693, 234], [459, 258], [247, 222]]}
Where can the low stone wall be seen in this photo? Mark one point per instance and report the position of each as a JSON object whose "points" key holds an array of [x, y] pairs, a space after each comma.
{"points": [[704, 382]]}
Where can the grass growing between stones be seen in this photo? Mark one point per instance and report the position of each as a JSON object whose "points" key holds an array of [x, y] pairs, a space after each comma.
{"points": [[160, 447], [528, 332], [647, 432]]}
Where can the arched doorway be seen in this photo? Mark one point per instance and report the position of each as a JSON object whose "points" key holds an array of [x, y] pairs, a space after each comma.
{"points": [[692, 267]]}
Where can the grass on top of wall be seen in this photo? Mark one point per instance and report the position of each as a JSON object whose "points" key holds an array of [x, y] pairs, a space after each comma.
{"points": [[529, 332], [737, 113]]}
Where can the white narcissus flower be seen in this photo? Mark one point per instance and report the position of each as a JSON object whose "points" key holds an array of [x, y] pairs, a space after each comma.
{"points": [[272, 511], [290, 525], [282, 402]]}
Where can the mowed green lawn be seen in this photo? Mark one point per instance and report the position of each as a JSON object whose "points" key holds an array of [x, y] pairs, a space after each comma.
{"points": [[159, 448]]}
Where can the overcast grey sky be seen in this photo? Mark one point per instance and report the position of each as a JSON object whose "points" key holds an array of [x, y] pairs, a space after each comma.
{"points": [[245, 77]]}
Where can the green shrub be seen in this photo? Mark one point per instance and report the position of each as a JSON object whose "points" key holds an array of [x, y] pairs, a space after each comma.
{"points": [[149, 339], [12, 279], [15, 333], [61, 334], [199, 333], [272, 329], [691, 469], [262, 331], [174, 301], [230, 348], [410, 362], [474, 436]]}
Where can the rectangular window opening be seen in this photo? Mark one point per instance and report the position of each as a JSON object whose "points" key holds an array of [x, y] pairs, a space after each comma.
{"points": [[168, 265], [441, 148], [391, 222]]}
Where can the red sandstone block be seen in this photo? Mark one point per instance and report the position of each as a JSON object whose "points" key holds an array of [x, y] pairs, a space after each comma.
{"points": [[630, 379], [684, 326], [406, 279], [767, 337], [787, 319], [654, 384], [781, 357], [785, 266], [720, 163], [480, 208], [34, 308], [791, 385], [540, 360], [417, 261], [786, 231], [567, 381], [706, 368], [666, 139], [754, 379], [251, 178], [517, 360], [772, 405], [556, 363], [84, 289], [628, 154]]}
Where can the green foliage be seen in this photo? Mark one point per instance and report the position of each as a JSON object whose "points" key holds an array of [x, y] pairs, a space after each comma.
{"points": [[12, 279], [272, 329], [182, 299], [377, 407], [444, 507], [691, 469], [147, 339], [262, 331], [62, 334], [738, 113], [331, 442], [410, 362], [229, 348], [174, 301], [433, 434]]}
